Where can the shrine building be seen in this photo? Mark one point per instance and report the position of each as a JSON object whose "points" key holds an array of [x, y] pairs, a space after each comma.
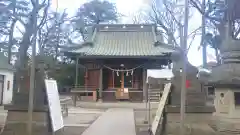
{"points": [[116, 58]]}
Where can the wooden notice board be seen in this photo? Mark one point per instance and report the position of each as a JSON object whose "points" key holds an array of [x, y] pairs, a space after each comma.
{"points": [[54, 105]]}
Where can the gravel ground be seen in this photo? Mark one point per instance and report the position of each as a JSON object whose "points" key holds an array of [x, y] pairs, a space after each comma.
{"points": [[197, 124]]}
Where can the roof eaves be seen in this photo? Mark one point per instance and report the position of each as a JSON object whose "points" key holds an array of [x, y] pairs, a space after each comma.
{"points": [[168, 46], [8, 69], [161, 56]]}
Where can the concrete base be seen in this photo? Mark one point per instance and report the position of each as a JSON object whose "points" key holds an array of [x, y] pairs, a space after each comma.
{"points": [[17, 121], [225, 125], [196, 98]]}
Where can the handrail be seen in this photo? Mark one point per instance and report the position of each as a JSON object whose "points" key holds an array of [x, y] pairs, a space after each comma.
{"points": [[160, 113]]}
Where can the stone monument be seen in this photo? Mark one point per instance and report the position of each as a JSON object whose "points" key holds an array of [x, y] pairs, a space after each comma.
{"points": [[195, 94], [226, 80], [17, 116]]}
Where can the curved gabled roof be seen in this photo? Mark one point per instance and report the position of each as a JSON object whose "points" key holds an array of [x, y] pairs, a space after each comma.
{"points": [[124, 40]]}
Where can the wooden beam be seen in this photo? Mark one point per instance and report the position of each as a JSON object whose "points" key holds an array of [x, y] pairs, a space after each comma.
{"points": [[160, 110], [144, 76]]}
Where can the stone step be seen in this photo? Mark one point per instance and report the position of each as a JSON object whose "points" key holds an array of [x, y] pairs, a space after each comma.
{"points": [[155, 92], [155, 98]]}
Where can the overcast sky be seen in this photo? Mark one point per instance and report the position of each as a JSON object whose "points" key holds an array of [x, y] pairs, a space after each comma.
{"points": [[128, 7]]}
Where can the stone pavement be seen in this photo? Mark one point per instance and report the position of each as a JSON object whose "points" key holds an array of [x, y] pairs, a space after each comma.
{"points": [[77, 121], [115, 121], [81, 117], [3, 116]]}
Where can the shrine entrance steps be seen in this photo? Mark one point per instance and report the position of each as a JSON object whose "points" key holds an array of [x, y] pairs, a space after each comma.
{"points": [[115, 121]]}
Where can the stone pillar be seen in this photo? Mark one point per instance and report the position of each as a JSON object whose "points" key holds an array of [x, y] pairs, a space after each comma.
{"points": [[100, 83], [145, 89], [17, 116], [195, 97]]}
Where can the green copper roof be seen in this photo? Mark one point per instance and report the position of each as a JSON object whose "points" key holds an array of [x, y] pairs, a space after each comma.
{"points": [[124, 40], [4, 62]]}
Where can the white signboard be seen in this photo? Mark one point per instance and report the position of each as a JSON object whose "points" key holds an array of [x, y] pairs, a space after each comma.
{"points": [[54, 104]]}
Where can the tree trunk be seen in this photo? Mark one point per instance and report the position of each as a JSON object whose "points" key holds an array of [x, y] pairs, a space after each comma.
{"points": [[217, 55], [10, 41], [10, 37]]}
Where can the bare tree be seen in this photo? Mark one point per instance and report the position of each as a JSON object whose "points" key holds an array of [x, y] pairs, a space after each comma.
{"points": [[24, 13], [169, 16], [139, 18], [218, 12], [53, 34]]}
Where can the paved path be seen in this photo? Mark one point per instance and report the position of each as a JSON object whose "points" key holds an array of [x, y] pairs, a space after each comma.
{"points": [[113, 122]]}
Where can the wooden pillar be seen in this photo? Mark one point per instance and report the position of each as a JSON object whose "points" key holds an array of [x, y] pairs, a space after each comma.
{"points": [[100, 84], [122, 80], [144, 75], [86, 79], [77, 70], [113, 79], [76, 82]]}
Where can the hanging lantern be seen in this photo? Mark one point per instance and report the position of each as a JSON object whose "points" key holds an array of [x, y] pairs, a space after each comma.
{"points": [[132, 72], [117, 73], [127, 73]]}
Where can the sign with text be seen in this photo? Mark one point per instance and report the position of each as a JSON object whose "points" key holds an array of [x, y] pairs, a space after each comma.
{"points": [[54, 104]]}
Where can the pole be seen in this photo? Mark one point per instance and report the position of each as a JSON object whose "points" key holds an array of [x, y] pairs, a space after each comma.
{"points": [[204, 47], [32, 75], [184, 49]]}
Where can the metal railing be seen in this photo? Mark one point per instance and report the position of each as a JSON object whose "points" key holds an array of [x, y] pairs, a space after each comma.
{"points": [[160, 120]]}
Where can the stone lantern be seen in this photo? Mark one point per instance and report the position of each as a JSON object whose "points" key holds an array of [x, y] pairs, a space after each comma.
{"points": [[226, 80]]}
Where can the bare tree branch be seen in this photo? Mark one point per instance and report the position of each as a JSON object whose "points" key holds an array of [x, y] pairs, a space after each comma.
{"points": [[190, 45], [19, 30], [43, 20], [172, 14], [19, 19]]}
